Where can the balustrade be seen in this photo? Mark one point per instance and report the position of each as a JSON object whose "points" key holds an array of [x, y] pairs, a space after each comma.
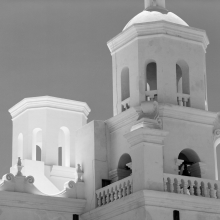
{"points": [[114, 191], [183, 99], [191, 186], [151, 95], [125, 104]]}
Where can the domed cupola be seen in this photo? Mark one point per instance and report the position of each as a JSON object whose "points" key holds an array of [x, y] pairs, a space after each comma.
{"points": [[158, 56], [155, 13]]}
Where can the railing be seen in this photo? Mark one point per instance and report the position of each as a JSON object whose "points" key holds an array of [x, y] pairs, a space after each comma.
{"points": [[114, 191], [191, 186], [125, 104], [151, 95], [183, 99]]}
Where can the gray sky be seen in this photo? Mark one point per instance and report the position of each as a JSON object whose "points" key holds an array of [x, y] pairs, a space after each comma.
{"points": [[58, 48]]}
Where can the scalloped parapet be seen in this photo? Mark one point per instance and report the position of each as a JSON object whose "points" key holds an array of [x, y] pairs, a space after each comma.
{"points": [[25, 184]]}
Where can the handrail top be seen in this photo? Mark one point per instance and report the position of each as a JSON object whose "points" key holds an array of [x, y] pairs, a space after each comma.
{"points": [[129, 178], [174, 176]]}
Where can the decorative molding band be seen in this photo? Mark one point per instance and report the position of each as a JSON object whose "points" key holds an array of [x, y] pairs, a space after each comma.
{"points": [[49, 102], [129, 116], [158, 28], [187, 114]]}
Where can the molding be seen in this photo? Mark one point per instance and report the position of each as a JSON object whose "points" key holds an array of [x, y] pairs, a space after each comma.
{"points": [[146, 134], [156, 199], [31, 201], [187, 114], [158, 28], [49, 102], [124, 118]]}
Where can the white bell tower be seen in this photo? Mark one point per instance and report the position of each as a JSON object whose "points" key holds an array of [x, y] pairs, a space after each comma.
{"points": [[159, 57]]}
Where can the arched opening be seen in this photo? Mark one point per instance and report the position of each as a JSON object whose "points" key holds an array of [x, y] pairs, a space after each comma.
{"points": [[125, 87], [64, 147], [151, 81], [182, 77], [124, 166], [37, 144], [151, 76], [38, 153], [190, 163], [60, 156], [20, 145]]}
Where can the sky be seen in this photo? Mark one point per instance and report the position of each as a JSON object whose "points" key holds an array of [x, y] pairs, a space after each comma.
{"points": [[58, 48]]}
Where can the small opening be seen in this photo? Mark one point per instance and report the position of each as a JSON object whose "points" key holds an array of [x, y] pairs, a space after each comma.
{"points": [[151, 76], [75, 217], [176, 215], [190, 165], [38, 153], [125, 90], [105, 182], [60, 156]]}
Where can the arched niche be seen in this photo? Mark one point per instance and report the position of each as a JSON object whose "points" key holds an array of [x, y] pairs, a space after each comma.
{"points": [[182, 77], [37, 144], [125, 84], [64, 147], [20, 145], [151, 76], [190, 165], [124, 166]]}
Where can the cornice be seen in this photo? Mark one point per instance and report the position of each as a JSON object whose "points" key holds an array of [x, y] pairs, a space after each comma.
{"points": [[147, 198], [157, 28], [127, 117], [187, 114], [49, 102], [31, 201]]}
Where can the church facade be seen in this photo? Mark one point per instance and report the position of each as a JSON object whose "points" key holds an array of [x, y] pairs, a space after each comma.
{"points": [[154, 159]]}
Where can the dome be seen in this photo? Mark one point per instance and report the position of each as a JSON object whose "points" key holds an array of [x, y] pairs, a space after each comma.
{"points": [[155, 13]]}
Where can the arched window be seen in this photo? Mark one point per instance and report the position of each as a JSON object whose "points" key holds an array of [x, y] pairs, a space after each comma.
{"points": [[37, 144], [125, 87], [151, 76], [20, 145], [60, 156], [124, 166], [64, 147], [189, 166], [182, 77]]}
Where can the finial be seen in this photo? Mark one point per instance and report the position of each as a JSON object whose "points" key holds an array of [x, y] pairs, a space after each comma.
{"points": [[19, 167], [149, 3]]}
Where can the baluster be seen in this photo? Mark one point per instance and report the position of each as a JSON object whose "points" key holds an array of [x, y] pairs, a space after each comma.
{"points": [[184, 185], [165, 185], [217, 191], [124, 190], [185, 100], [131, 187], [180, 101], [103, 198], [111, 195], [128, 188], [191, 189], [115, 193], [199, 189], [99, 199], [119, 192], [171, 185], [212, 191], [107, 197]]}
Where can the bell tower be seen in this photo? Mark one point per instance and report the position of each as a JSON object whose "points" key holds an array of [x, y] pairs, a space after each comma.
{"points": [[159, 57]]}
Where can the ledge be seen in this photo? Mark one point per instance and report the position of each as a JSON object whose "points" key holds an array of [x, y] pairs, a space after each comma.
{"points": [[158, 28], [30, 201], [49, 102]]}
